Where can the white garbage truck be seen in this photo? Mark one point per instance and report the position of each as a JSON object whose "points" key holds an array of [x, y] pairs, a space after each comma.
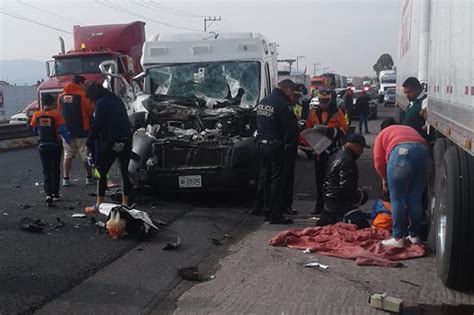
{"points": [[195, 120], [436, 46]]}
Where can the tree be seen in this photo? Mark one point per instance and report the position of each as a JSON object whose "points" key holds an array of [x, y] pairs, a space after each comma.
{"points": [[385, 62]]}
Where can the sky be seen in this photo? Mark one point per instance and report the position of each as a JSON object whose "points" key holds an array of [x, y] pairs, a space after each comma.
{"points": [[345, 37]]}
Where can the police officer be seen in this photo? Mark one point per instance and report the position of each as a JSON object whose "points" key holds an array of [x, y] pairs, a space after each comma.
{"points": [[48, 124], [274, 121], [291, 150], [330, 121]]}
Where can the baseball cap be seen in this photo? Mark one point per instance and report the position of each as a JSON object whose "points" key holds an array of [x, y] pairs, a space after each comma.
{"points": [[324, 93], [299, 90], [357, 139]]}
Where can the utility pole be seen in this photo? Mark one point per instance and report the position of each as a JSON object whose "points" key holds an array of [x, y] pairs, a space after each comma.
{"points": [[314, 67], [297, 61], [210, 19]]}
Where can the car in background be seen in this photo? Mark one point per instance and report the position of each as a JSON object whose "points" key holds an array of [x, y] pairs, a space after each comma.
{"points": [[18, 119], [389, 97]]}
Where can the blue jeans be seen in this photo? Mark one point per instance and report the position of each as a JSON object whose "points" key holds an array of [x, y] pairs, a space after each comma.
{"points": [[363, 119], [407, 176]]}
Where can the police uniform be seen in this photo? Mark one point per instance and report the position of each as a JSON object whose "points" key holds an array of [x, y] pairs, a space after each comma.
{"points": [[336, 127], [47, 124], [273, 121], [291, 151]]}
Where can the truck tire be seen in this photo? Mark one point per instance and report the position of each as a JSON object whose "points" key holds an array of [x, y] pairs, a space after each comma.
{"points": [[439, 149], [455, 219]]}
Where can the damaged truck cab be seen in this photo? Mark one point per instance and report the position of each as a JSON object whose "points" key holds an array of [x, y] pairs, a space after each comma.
{"points": [[195, 117]]}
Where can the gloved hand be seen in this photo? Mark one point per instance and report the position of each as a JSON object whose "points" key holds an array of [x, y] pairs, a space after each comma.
{"points": [[321, 129]]}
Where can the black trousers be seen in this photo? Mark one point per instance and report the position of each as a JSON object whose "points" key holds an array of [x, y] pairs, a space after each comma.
{"points": [[320, 165], [289, 177], [51, 160], [272, 172], [263, 190], [118, 150]]}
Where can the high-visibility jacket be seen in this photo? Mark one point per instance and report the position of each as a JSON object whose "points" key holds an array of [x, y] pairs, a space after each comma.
{"points": [[76, 110], [333, 119], [298, 110], [382, 215], [47, 124]]}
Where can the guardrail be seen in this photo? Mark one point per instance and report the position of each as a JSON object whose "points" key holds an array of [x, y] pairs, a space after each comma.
{"points": [[15, 131]]}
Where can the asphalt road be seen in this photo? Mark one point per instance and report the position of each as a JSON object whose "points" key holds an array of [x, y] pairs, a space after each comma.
{"points": [[75, 267]]}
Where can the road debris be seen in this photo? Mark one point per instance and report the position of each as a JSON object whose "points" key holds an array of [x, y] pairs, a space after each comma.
{"points": [[215, 241], [386, 303], [5, 213], [410, 283], [173, 245], [307, 251], [316, 265], [30, 225], [78, 215], [189, 273]]}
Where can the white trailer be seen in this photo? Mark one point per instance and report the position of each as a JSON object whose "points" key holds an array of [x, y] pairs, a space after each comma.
{"points": [[436, 45]]}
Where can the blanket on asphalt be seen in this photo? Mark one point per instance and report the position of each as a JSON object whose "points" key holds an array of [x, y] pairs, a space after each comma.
{"points": [[346, 241]]}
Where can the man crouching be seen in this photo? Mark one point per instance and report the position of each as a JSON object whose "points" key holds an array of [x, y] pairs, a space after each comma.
{"points": [[340, 188]]}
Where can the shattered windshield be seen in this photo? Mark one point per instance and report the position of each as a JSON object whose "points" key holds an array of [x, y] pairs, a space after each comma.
{"points": [[236, 81]]}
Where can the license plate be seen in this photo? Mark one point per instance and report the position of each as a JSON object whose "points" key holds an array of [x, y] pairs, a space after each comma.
{"points": [[191, 181]]}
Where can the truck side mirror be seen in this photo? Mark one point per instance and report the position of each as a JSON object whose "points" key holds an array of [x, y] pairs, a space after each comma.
{"points": [[50, 68]]}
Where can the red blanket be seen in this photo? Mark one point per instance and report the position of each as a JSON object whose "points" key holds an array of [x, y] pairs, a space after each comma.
{"points": [[346, 241]]}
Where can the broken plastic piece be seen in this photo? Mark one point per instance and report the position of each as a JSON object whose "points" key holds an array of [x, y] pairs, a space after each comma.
{"points": [[307, 251], [173, 245], [78, 215], [386, 303], [316, 265]]}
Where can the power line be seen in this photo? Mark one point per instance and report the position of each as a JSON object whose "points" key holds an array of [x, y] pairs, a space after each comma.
{"points": [[129, 12], [50, 13], [151, 7], [175, 11], [24, 18]]}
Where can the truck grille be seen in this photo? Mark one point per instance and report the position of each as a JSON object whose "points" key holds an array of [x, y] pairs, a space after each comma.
{"points": [[193, 157]]}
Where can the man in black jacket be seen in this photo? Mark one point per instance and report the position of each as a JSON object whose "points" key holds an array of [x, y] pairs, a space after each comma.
{"points": [[362, 106], [111, 137], [274, 124], [340, 189]]}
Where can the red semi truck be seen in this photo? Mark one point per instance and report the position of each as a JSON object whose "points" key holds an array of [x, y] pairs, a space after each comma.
{"points": [[93, 45]]}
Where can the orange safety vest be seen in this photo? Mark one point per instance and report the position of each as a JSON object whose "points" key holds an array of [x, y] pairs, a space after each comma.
{"points": [[383, 221], [337, 120]]}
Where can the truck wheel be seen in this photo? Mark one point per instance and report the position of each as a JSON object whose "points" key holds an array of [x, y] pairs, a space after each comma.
{"points": [[438, 153], [455, 220]]}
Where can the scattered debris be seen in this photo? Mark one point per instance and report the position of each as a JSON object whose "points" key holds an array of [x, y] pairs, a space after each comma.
{"points": [[189, 273], [228, 236], [307, 251], [314, 218], [211, 277], [136, 222], [59, 224], [215, 241], [410, 283], [36, 184], [78, 215], [173, 245], [111, 185], [316, 265], [30, 225], [5, 213], [76, 226], [386, 303]]}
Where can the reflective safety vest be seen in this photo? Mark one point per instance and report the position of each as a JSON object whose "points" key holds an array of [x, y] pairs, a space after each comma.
{"points": [[382, 215], [71, 110], [47, 130], [298, 110]]}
